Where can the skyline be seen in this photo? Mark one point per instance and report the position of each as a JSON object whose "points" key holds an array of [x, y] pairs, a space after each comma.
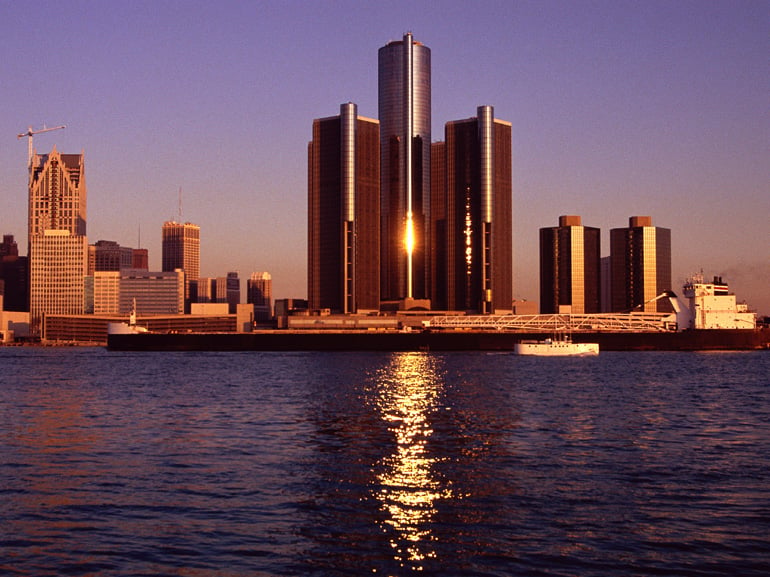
{"points": [[617, 110]]}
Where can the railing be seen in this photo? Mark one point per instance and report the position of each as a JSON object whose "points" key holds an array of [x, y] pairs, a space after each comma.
{"points": [[633, 322]]}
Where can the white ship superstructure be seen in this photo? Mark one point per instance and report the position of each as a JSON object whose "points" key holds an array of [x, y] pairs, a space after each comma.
{"points": [[711, 305]]}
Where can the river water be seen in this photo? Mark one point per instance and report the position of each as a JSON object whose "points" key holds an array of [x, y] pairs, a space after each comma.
{"points": [[332, 464]]}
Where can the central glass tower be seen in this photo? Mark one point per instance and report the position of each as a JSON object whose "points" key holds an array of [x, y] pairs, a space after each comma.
{"points": [[405, 140]]}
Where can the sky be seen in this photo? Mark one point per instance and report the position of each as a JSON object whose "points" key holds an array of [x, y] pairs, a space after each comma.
{"points": [[618, 108]]}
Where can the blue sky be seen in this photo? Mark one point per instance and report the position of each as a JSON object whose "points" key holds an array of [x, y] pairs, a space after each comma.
{"points": [[618, 109]]}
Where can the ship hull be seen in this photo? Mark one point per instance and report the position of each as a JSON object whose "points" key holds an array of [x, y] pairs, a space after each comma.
{"points": [[284, 340]]}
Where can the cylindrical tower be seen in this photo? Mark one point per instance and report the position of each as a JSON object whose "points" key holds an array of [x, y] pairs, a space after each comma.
{"points": [[405, 122]]}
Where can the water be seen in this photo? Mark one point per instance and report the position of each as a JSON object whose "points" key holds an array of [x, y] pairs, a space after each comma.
{"points": [[383, 464]]}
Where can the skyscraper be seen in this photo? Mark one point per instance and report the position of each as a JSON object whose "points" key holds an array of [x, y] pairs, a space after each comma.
{"points": [[259, 293], [181, 250], [570, 271], [14, 272], [471, 229], [233, 291], [58, 248], [640, 266], [344, 213], [404, 90]]}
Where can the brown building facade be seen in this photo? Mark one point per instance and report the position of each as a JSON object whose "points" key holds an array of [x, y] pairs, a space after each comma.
{"points": [[471, 227], [344, 213], [640, 266], [570, 271]]}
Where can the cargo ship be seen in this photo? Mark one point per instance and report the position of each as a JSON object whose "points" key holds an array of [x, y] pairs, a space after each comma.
{"points": [[706, 318]]}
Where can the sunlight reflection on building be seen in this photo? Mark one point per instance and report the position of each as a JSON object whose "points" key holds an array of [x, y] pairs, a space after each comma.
{"points": [[408, 486]]}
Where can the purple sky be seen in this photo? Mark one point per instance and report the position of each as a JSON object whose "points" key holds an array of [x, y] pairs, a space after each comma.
{"points": [[618, 109]]}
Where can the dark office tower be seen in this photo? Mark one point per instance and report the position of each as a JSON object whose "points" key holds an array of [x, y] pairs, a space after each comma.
{"points": [[14, 271], [233, 291], [472, 229], [108, 255], [640, 266], [344, 213], [181, 246], [438, 226], [405, 141], [570, 271], [259, 292]]}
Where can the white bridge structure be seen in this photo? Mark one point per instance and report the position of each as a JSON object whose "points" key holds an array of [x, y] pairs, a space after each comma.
{"points": [[706, 305], [610, 322]]}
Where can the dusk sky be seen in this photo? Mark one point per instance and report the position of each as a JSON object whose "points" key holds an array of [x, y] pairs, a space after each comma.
{"points": [[618, 109]]}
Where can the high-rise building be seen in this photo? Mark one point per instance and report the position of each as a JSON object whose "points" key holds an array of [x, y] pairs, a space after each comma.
{"points": [[570, 271], [181, 250], [58, 267], [640, 266], [58, 248], [471, 228], [233, 291], [404, 92], [343, 213], [57, 193], [14, 273], [108, 255], [259, 293]]}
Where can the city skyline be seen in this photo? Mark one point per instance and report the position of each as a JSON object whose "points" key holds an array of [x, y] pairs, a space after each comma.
{"points": [[616, 109]]}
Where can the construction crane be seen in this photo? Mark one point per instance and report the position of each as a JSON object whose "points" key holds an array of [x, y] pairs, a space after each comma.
{"points": [[31, 132]]}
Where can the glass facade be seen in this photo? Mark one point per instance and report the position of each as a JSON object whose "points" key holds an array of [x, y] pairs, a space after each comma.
{"points": [[640, 266], [344, 213], [404, 90]]}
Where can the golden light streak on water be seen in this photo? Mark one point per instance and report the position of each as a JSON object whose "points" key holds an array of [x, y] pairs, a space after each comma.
{"points": [[408, 486]]}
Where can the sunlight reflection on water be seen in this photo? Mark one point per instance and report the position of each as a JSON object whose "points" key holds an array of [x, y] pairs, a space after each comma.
{"points": [[408, 391]]}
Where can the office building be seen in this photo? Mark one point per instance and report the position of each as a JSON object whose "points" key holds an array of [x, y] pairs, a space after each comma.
{"points": [[155, 293], [57, 193], [58, 248], [233, 291], [471, 226], [106, 293], [58, 268], [259, 294], [404, 105], [181, 250], [640, 266], [343, 213], [570, 268], [140, 259], [14, 273], [108, 255]]}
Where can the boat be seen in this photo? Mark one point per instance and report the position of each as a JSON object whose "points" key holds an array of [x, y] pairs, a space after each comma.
{"points": [[556, 347], [129, 328]]}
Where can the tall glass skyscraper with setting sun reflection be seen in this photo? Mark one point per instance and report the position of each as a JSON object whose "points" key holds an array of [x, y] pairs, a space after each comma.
{"points": [[404, 106]]}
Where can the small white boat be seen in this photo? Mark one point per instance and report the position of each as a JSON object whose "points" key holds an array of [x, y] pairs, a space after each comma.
{"points": [[556, 347]]}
